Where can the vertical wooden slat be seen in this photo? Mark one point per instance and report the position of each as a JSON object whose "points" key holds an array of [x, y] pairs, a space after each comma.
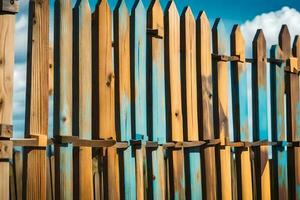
{"points": [[48, 179], [190, 108], [290, 80], [296, 118], [36, 122], [104, 93], [18, 167], [206, 104], [138, 38], [221, 93], [175, 123], [63, 97], [156, 98], [278, 125], [123, 95], [240, 115], [7, 27], [82, 91], [260, 114]]}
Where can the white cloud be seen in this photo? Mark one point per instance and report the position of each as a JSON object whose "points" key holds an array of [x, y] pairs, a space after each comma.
{"points": [[271, 23]]}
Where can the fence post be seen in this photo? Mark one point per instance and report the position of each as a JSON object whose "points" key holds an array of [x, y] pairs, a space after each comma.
{"points": [[221, 118], [296, 111], [7, 43], [175, 118], [82, 98], [63, 98], [122, 63], [104, 95]]}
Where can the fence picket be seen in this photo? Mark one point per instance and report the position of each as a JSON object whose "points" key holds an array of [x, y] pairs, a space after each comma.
{"points": [[206, 109], [190, 108], [260, 115], [296, 136], [172, 39], [104, 94], [82, 95], [63, 22], [122, 67], [240, 112], [278, 125], [156, 96], [221, 93]]}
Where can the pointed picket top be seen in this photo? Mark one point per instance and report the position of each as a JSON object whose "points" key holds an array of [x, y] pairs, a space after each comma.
{"points": [[285, 40], [259, 45], [204, 31], [203, 17], [296, 49], [172, 10], [187, 12], [102, 4], [237, 42], [121, 7], [155, 17], [83, 4], [138, 7], [219, 37]]}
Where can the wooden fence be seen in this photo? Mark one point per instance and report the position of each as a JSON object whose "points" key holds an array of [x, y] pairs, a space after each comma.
{"points": [[143, 105]]}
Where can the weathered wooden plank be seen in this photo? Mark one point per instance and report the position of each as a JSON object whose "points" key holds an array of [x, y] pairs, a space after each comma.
{"points": [[221, 92], [138, 42], [260, 114], [18, 167], [7, 26], [291, 98], [172, 39], [63, 97], [48, 179], [204, 67], [123, 95], [190, 108], [82, 90], [12, 184], [156, 98], [104, 93], [240, 115], [296, 119], [36, 122], [278, 125]]}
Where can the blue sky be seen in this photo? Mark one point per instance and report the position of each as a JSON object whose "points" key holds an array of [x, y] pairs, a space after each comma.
{"points": [[250, 14]]}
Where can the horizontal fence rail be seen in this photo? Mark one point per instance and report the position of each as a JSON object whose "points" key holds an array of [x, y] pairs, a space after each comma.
{"points": [[149, 103]]}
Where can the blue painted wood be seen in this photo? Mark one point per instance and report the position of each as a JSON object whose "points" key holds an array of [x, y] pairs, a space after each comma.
{"points": [[138, 42], [278, 123], [157, 112], [122, 65]]}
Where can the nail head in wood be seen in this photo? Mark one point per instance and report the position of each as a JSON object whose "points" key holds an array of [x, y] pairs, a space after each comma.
{"points": [[6, 131], [9, 6], [6, 149]]}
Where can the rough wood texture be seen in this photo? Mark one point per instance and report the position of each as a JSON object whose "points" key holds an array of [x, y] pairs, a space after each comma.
{"points": [[240, 115], [175, 123], [296, 127], [104, 92], [123, 96], [221, 97], [278, 126], [63, 97], [36, 122], [190, 109], [138, 42], [260, 115], [51, 71], [204, 67], [82, 90], [156, 96]]}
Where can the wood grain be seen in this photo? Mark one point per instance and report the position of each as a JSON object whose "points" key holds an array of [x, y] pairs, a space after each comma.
{"points": [[82, 62], [172, 39], [63, 23], [204, 70], [260, 116], [221, 92], [7, 26], [123, 96], [296, 136], [36, 122], [104, 92], [240, 115], [156, 97]]}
